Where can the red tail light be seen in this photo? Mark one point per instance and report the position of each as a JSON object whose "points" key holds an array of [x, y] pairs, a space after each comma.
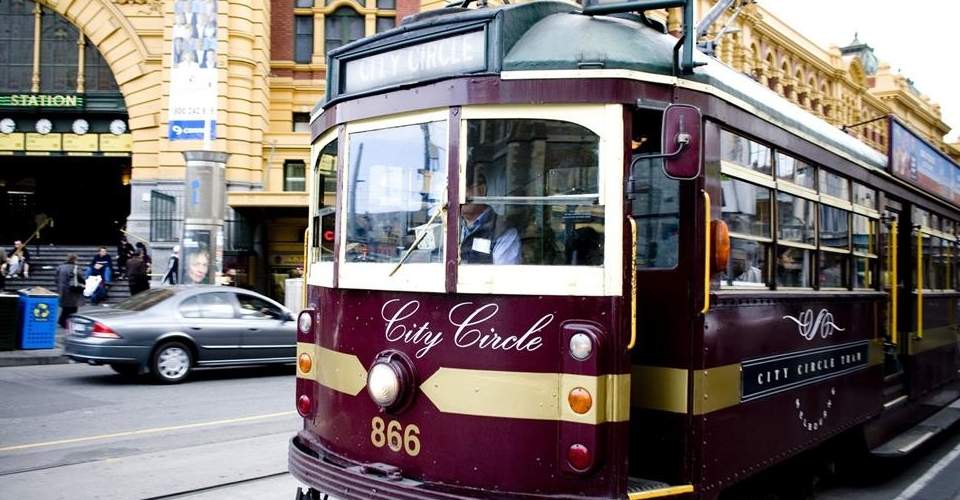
{"points": [[103, 331], [579, 457], [304, 405]]}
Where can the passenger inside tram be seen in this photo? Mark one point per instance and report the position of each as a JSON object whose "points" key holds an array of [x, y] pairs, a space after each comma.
{"points": [[485, 236]]}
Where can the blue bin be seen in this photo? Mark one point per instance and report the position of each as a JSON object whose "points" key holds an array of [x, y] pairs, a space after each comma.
{"points": [[38, 318]]}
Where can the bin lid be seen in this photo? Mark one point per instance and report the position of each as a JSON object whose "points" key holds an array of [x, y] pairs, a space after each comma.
{"points": [[37, 291]]}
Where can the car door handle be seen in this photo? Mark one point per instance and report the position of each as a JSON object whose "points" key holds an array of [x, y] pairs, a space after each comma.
{"points": [[196, 328], [253, 329]]}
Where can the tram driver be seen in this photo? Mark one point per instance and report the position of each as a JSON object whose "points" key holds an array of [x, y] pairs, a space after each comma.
{"points": [[485, 236]]}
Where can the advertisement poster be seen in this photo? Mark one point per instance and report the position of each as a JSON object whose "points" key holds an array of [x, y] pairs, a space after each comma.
{"points": [[922, 165], [193, 73], [197, 267]]}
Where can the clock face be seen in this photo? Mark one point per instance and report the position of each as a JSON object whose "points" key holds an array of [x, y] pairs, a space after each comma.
{"points": [[80, 126], [7, 125], [44, 126], [118, 127]]}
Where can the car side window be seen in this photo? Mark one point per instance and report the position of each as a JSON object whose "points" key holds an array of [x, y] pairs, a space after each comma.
{"points": [[256, 308], [216, 305]]}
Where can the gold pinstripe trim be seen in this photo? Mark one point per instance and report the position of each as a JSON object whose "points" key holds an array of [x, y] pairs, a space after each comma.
{"points": [[335, 370], [933, 338], [716, 388], [875, 353], [536, 396], [659, 388]]}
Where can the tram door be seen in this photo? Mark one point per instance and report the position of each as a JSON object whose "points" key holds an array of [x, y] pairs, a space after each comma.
{"points": [[892, 240]]}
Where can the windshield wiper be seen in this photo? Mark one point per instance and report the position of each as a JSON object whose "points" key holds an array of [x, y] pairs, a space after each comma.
{"points": [[416, 242]]}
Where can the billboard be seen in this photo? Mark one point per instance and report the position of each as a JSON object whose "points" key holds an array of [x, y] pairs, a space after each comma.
{"points": [[197, 262], [192, 113], [919, 163]]}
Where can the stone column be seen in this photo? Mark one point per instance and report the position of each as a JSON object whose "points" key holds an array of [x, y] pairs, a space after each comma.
{"points": [[205, 201]]}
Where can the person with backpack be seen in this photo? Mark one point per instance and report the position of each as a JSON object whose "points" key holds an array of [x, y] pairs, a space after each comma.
{"points": [[69, 287]]}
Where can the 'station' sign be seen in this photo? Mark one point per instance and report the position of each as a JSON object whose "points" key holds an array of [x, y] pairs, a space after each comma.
{"points": [[193, 75], [766, 376], [41, 101], [446, 56]]}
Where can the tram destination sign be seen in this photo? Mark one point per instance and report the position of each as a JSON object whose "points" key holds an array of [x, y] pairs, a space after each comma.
{"points": [[41, 101], [917, 162], [771, 375], [452, 55]]}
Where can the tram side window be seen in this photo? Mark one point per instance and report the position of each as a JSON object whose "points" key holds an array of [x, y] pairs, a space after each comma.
{"points": [[834, 247], [325, 185], [834, 185], [796, 171], [747, 210], [865, 257], [396, 189], [656, 210], [532, 194], [744, 152], [797, 239]]}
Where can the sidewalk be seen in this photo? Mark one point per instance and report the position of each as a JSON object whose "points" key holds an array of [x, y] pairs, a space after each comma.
{"points": [[36, 356]]}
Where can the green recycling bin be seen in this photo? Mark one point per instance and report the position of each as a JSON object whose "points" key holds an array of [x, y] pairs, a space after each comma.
{"points": [[38, 318]]}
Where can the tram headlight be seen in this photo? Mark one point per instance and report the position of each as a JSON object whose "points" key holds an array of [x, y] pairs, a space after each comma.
{"points": [[305, 322], [581, 345], [383, 384]]}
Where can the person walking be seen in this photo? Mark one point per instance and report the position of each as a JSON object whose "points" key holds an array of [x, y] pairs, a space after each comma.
{"points": [[173, 267], [69, 287], [124, 252], [137, 275]]}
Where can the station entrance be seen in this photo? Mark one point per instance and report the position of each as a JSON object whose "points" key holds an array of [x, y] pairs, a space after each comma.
{"points": [[88, 199]]}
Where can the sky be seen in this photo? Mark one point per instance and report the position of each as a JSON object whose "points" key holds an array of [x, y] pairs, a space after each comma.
{"points": [[918, 37]]}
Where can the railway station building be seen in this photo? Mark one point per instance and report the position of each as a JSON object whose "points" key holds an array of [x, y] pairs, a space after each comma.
{"points": [[85, 103]]}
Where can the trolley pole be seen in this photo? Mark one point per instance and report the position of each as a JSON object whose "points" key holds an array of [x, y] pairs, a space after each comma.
{"points": [[201, 244]]}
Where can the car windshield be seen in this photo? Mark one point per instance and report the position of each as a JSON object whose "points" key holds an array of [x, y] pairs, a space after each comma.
{"points": [[145, 300]]}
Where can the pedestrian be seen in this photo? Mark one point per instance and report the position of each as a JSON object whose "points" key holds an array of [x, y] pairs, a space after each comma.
{"points": [[17, 264], [173, 267], [69, 287], [142, 248], [124, 251], [101, 265], [137, 275]]}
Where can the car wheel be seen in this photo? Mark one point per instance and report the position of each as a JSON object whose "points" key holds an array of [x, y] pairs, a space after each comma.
{"points": [[171, 362], [127, 370]]}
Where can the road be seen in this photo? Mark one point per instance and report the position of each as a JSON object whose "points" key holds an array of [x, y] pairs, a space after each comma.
{"points": [[77, 431]]}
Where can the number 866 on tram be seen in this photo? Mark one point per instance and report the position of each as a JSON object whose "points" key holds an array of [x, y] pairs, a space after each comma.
{"points": [[553, 254]]}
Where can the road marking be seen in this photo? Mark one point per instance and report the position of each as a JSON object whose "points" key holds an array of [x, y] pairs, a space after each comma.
{"points": [[922, 482], [148, 431]]}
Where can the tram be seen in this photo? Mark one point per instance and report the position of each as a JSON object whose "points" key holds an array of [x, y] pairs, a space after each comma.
{"points": [[556, 253]]}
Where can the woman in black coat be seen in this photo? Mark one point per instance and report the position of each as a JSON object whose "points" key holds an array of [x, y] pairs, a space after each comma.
{"points": [[69, 287]]}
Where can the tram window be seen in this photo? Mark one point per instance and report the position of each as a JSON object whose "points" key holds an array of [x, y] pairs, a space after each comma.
{"points": [[834, 227], [325, 185], [864, 235], [532, 194], [796, 219], [833, 269], [746, 208], [748, 263], [939, 264], [744, 152], [396, 187], [656, 209], [794, 267], [796, 171], [864, 196], [864, 272], [834, 185], [921, 217]]}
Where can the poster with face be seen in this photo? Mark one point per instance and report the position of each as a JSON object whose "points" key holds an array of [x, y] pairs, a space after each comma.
{"points": [[197, 262]]}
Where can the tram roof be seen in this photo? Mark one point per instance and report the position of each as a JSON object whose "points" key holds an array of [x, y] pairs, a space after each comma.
{"points": [[549, 35]]}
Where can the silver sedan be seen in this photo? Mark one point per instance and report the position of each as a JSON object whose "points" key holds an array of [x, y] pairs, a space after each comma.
{"points": [[168, 331]]}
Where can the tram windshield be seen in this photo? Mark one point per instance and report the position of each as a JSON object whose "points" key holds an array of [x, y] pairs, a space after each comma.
{"points": [[532, 194], [397, 184]]}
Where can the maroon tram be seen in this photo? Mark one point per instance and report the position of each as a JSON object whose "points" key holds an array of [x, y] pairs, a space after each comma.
{"points": [[554, 254]]}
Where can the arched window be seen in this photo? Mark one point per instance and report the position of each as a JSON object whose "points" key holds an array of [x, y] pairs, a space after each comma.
{"points": [[343, 26], [16, 45], [98, 75], [58, 53]]}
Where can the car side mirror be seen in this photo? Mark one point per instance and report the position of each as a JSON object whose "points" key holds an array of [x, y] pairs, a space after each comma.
{"points": [[287, 316], [681, 141]]}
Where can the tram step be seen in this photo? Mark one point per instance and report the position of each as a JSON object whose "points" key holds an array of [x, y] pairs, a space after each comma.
{"points": [[893, 391], [914, 437], [638, 488]]}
